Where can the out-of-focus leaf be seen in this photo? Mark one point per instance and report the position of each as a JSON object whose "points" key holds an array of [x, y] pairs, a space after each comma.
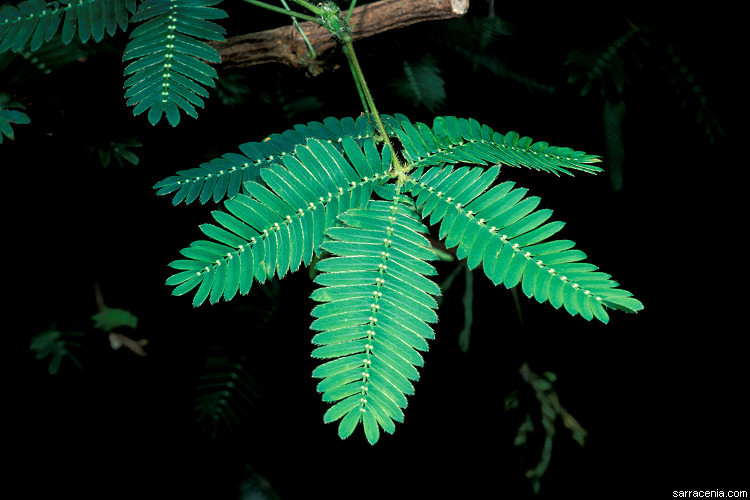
{"points": [[57, 344], [422, 83], [613, 116], [110, 318], [10, 114]]}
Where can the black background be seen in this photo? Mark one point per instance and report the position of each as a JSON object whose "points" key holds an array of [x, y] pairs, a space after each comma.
{"points": [[661, 393]]}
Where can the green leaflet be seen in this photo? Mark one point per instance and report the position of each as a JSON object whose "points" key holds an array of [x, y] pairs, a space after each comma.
{"points": [[272, 230], [453, 140], [373, 314], [223, 177], [29, 24], [503, 230], [169, 67]]}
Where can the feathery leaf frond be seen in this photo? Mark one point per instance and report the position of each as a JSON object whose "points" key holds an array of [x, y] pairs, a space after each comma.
{"points": [[170, 69], [50, 57], [315, 188], [223, 177], [422, 83], [225, 391], [501, 229], [34, 22], [274, 231], [454, 140], [691, 90], [376, 306], [606, 68]]}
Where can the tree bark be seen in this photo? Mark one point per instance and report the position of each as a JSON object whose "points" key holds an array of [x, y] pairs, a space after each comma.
{"points": [[285, 45]]}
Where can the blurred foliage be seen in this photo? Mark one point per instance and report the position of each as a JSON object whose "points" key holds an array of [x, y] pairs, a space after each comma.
{"points": [[631, 60], [607, 69], [547, 413], [242, 90], [50, 57], [468, 303], [120, 150], [421, 83], [226, 392], [613, 115], [254, 486], [10, 113], [110, 318], [692, 95], [57, 344], [232, 89]]}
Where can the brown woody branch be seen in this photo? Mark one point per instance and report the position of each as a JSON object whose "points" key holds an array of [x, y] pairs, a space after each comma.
{"points": [[285, 45]]}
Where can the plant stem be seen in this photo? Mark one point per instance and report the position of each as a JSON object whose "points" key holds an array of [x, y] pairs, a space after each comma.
{"points": [[313, 8], [273, 8], [360, 77], [351, 8], [301, 31], [519, 313], [356, 82]]}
